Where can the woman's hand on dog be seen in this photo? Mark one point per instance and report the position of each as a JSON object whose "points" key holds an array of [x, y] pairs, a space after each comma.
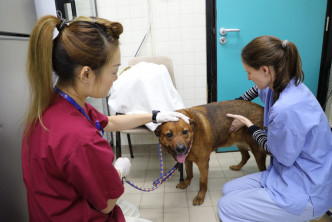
{"points": [[171, 116], [238, 122], [236, 125]]}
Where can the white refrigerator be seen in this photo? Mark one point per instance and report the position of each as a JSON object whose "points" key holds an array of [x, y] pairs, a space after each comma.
{"points": [[17, 18]]}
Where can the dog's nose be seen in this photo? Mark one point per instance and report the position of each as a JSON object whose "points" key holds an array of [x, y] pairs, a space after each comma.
{"points": [[180, 148]]}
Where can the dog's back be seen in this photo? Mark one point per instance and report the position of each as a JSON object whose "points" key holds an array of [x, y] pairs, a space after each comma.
{"points": [[211, 118]]}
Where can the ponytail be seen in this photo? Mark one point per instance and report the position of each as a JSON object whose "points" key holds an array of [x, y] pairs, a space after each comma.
{"points": [[39, 70], [294, 63], [287, 68]]}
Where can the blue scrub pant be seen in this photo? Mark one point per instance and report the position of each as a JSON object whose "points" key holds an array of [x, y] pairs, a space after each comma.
{"points": [[244, 199]]}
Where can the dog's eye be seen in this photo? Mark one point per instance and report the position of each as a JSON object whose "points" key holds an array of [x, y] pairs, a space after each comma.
{"points": [[184, 132], [169, 135]]}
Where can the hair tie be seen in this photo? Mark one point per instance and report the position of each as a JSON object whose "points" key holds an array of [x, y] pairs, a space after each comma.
{"points": [[63, 20], [284, 43]]}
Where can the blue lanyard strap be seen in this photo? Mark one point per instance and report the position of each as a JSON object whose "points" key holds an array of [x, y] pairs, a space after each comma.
{"points": [[78, 107]]}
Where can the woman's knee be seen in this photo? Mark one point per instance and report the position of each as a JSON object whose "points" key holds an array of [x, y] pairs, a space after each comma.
{"points": [[226, 205], [228, 187], [221, 203], [243, 183], [227, 200]]}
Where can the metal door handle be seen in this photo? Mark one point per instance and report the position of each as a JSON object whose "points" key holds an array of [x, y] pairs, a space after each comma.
{"points": [[224, 31]]}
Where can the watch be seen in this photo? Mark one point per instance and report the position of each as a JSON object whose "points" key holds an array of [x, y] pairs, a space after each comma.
{"points": [[154, 115]]}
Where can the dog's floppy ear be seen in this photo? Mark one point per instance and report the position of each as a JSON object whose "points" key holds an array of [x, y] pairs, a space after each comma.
{"points": [[157, 131]]}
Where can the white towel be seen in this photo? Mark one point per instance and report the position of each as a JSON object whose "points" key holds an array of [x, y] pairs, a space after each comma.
{"points": [[143, 88], [130, 211]]}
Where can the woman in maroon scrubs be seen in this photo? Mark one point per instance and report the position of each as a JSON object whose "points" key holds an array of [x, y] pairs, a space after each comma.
{"points": [[67, 165]]}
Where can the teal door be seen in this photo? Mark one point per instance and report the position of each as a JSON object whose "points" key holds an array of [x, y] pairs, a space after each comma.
{"points": [[299, 21]]}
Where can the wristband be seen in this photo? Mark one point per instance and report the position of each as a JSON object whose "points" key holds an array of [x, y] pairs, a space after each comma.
{"points": [[154, 115], [252, 129]]}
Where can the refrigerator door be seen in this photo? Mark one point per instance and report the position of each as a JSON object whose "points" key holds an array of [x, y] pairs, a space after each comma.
{"points": [[17, 17], [13, 102]]}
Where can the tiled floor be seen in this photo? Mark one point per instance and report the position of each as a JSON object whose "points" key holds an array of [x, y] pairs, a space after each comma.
{"points": [[169, 204]]}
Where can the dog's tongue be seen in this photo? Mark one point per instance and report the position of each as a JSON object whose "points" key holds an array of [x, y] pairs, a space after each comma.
{"points": [[181, 158]]}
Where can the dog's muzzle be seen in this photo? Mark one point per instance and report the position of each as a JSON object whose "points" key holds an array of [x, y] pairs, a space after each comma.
{"points": [[180, 151], [180, 148]]}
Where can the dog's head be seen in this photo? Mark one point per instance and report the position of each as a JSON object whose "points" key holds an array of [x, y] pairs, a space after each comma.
{"points": [[176, 137]]}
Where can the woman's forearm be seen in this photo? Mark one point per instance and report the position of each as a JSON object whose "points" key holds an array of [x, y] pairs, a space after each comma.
{"points": [[124, 122]]}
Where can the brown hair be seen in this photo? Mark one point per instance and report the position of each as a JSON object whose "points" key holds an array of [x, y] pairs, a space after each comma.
{"points": [[82, 42], [282, 56]]}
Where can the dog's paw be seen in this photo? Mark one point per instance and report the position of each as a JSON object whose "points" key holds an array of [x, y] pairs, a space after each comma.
{"points": [[198, 201], [235, 167], [182, 185]]}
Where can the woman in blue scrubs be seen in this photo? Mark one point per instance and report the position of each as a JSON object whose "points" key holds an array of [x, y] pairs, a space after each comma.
{"points": [[297, 186]]}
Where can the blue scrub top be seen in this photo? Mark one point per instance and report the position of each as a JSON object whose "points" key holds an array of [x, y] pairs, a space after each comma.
{"points": [[299, 137]]}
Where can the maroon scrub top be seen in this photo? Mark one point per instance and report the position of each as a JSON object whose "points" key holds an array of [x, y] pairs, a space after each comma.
{"points": [[67, 167]]}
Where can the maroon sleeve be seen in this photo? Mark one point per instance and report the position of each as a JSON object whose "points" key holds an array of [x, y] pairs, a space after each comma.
{"points": [[91, 172], [95, 115]]}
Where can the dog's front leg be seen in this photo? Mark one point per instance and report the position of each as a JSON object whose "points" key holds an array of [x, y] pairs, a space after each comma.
{"points": [[189, 172], [203, 167]]}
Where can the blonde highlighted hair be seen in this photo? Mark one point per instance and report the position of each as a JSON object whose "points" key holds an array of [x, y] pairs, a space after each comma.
{"points": [[83, 42]]}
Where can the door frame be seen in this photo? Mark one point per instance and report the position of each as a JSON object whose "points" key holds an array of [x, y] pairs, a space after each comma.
{"points": [[211, 56], [325, 66], [211, 50]]}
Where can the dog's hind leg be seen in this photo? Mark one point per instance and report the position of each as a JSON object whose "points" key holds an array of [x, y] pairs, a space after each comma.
{"points": [[245, 157], [189, 171]]}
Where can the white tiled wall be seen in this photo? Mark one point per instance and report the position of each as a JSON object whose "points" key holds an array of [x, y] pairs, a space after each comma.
{"points": [[175, 28], [83, 7]]}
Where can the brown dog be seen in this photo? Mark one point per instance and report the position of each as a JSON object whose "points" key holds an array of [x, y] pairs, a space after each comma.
{"points": [[208, 130]]}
